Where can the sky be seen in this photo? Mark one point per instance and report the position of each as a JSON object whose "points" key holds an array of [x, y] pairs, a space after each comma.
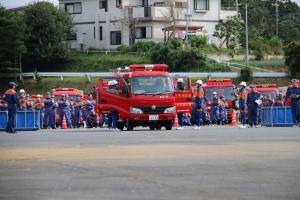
{"points": [[16, 3]]}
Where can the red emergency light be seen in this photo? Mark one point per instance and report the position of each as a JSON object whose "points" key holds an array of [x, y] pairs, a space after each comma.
{"points": [[64, 89], [224, 82], [267, 86], [149, 67]]}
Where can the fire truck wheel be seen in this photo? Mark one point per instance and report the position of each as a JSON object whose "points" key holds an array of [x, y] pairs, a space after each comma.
{"points": [[129, 126], [152, 127], [120, 125], [169, 125]]}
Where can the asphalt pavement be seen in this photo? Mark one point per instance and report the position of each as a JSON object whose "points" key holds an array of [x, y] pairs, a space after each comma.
{"points": [[211, 163]]}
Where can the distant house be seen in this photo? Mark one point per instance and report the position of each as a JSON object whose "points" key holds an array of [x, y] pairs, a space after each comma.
{"points": [[109, 23]]}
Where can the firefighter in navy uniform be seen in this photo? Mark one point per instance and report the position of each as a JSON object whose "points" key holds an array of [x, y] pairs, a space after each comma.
{"points": [[279, 101], [3, 104], [253, 102], [243, 103], [180, 87], [293, 93], [113, 116], [199, 107], [12, 100], [48, 112], [22, 106]]}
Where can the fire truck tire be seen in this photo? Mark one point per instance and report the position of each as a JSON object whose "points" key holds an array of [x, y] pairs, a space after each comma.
{"points": [[120, 126], [152, 127], [169, 125], [129, 126]]}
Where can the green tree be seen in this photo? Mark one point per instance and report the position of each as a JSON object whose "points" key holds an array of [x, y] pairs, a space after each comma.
{"points": [[293, 58], [13, 35], [289, 31], [228, 31], [49, 28], [199, 42]]}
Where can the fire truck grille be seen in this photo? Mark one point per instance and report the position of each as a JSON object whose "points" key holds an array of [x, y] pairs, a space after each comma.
{"points": [[150, 110]]}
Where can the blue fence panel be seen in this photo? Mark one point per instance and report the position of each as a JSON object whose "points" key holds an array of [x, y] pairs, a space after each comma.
{"points": [[3, 119], [25, 121], [277, 116]]}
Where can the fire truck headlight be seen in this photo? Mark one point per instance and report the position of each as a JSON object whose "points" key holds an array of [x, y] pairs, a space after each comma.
{"points": [[170, 110], [134, 110]]}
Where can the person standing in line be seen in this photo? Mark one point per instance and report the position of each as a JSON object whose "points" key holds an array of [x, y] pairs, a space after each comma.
{"points": [[253, 102], [222, 110], [293, 93], [180, 87], [64, 110], [12, 100], [22, 106], [243, 103], [48, 112], [199, 107]]}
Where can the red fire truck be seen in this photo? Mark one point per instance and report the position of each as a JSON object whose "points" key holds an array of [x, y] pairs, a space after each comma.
{"points": [[221, 87], [145, 97], [270, 90], [71, 92]]}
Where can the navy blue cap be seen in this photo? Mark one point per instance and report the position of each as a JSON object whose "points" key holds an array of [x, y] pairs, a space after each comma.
{"points": [[12, 84], [252, 86]]}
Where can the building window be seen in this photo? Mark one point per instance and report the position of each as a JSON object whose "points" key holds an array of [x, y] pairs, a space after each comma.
{"points": [[159, 4], [71, 35], [100, 33], [115, 37], [94, 32], [201, 4], [103, 4], [180, 4], [118, 3], [145, 3], [143, 32], [73, 8]]}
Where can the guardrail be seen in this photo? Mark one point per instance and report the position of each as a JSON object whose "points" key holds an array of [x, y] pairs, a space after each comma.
{"points": [[88, 75]]}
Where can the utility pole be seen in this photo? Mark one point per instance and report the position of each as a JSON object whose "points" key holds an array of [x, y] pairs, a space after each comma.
{"points": [[277, 16], [247, 51], [187, 23]]}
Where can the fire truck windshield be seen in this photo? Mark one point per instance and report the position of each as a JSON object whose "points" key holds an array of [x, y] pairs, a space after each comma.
{"points": [[225, 91], [270, 94], [151, 85]]}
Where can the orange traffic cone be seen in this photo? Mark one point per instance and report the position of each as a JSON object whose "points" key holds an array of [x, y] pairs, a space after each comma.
{"points": [[175, 125], [64, 123], [233, 120]]}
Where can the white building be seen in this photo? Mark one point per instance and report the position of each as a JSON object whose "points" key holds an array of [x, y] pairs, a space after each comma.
{"points": [[109, 23]]}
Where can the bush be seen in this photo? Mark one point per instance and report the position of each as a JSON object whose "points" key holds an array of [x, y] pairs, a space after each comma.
{"points": [[143, 47], [199, 42], [259, 54], [246, 74], [293, 58]]}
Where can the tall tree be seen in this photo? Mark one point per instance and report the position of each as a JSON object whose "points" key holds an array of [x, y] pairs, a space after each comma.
{"points": [[228, 31], [12, 39], [49, 27]]}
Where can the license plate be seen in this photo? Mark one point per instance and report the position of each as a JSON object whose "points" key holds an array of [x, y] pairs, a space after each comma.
{"points": [[153, 117]]}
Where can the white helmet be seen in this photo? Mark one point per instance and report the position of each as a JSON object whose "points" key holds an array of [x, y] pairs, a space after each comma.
{"points": [[215, 93], [243, 83], [112, 82], [180, 80], [200, 82], [22, 91]]}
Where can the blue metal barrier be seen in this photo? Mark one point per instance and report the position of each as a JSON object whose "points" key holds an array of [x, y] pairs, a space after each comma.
{"points": [[276, 117], [25, 120]]}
